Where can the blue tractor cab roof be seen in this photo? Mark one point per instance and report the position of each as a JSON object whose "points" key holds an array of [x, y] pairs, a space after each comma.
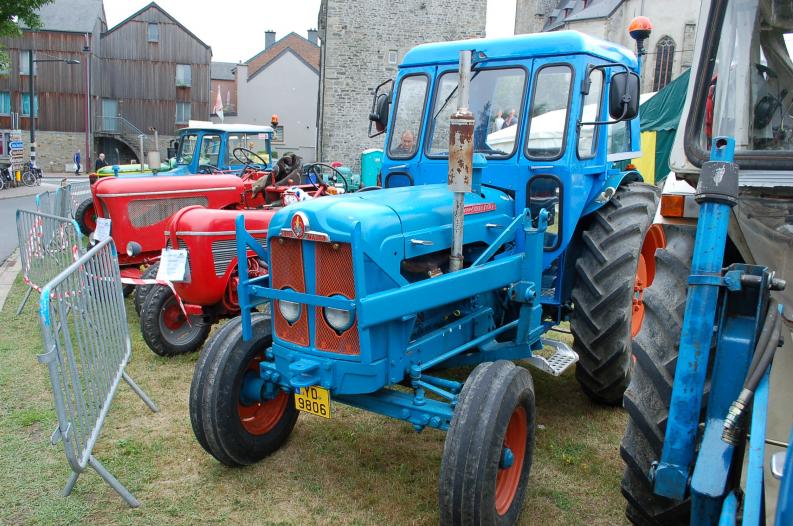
{"points": [[520, 46]]}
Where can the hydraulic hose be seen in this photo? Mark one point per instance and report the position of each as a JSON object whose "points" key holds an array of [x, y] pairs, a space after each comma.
{"points": [[764, 351]]}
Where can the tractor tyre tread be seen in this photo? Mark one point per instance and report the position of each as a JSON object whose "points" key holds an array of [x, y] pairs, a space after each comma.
{"points": [[222, 433], [142, 291], [649, 393], [150, 326], [466, 492], [79, 216], [605, 271]]}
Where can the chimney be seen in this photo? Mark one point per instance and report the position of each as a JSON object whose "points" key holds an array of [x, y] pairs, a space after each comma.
{"points": [[269, 38], [312, 36]]}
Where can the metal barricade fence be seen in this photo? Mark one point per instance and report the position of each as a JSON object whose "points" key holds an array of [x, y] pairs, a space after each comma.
{"points": [[47, 245], [78, 192], [56, 202], [86, 348]]}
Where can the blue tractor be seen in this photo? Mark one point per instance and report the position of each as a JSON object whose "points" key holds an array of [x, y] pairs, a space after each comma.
{"points": [[501, 217]]}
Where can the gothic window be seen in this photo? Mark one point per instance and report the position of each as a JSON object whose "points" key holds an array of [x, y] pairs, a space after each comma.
{"points": [[664, 58]]}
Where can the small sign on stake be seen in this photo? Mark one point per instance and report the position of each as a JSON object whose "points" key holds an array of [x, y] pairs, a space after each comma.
{"points": [[102, 230], [173, 265]]}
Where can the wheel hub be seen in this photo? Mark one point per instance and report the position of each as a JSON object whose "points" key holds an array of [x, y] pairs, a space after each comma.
{"points": [[513, 453], [645, 273]]}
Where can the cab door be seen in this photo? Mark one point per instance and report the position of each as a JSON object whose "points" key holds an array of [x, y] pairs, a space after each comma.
{"points": [[401, 152]]}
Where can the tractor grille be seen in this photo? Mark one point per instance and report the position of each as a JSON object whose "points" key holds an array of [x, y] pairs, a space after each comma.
{"points": [[286, 255], [333, 266], [224, 251], [183, 245], [145, 212]]}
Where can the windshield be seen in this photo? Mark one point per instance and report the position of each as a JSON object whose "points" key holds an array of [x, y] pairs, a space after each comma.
{"points": [[758, 33], [258, 143], [407, 118], [496, 99], [186, 148]]}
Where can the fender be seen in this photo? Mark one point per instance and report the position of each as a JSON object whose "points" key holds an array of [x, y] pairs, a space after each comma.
{"points": [[614, 180]]}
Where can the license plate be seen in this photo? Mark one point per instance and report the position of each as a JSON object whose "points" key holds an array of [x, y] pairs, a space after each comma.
{"points": [[314, 400]]}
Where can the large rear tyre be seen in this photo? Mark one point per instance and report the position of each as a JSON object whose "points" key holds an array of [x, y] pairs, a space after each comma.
{"points": [[610, 275], [235, 433], [165, 328], [489, 446], [647, 398], [142, 291], [86, 217]]}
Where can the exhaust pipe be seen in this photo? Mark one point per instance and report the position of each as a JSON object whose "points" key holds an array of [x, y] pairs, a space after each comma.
{"points": [[461, 158]]}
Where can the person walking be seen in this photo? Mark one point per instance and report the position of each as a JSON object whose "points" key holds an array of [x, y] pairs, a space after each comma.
{"points": [[77, 163], [100, 162]]}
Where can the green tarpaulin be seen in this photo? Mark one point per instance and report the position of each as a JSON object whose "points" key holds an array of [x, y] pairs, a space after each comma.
{"points": [[661, 114]]}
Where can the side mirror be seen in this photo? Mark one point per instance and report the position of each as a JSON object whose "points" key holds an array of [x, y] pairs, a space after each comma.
{"points": [[381, 102], [624, 96]]}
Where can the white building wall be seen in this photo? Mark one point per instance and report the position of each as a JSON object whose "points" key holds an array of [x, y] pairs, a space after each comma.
{"points": [[286, 87]]}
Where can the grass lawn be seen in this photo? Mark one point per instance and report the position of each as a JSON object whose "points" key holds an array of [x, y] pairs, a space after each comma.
{"points": [[357, 468]]}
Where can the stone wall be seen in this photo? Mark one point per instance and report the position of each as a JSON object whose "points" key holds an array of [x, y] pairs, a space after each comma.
{"points": [[362, 43], [55, 149]]}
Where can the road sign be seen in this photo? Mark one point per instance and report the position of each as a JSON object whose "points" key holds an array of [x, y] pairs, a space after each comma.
{"points": [[16, 145]]}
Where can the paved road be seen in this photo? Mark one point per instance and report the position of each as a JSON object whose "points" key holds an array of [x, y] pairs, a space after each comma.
{"points": [[8, 231]]}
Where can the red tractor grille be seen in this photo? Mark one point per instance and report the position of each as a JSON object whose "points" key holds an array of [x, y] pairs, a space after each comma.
{"points": [[286, 256], [334, 275]]}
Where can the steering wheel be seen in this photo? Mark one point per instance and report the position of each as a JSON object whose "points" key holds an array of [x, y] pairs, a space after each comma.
{"points": [[207, 169], [247, 158], [316, 169]]}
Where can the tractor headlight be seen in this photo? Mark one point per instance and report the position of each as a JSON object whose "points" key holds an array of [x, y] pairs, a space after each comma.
{"points": [[133, 248], [289, 310], [340, 320]]}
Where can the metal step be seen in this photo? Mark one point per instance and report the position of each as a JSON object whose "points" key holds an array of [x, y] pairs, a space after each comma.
{"points": [[562, 358]]}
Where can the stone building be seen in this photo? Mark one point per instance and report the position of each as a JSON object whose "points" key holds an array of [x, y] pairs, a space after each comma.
{"points": [[362, 44], [670, 48], [280, 80]]}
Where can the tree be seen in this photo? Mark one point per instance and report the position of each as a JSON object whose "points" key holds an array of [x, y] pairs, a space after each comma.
{"points": [[16, 13]]}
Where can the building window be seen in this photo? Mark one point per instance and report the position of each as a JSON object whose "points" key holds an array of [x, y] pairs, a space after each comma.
{"points": [[183, 75], [24, 63], [182, 112], [689, 39], [5, 102], [26, 105], [154, 32], [664, 59], [392, 57], [279, 134]]}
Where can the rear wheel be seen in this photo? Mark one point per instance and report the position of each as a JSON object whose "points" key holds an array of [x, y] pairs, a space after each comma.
{"points": [[235, 432], [611, 272], [165, 328], [86, 217], [488, 450], [647, 398], [141, 291]]}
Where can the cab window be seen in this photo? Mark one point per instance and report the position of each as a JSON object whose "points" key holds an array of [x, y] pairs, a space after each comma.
{"points": [[590, 112], [186, 149], [255, 142], [210, 150], [496, 100], [407, 117], [550, 106]]}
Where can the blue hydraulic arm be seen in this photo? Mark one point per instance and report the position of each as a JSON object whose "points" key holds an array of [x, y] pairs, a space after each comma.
{"points": [[717, 192]]}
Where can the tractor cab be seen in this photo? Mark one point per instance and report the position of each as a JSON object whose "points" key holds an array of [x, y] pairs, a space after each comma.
{"points": [[208, 148], [550, 119]]}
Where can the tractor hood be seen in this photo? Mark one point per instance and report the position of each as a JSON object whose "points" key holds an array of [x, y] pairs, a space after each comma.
{"points": [[401, 222]]}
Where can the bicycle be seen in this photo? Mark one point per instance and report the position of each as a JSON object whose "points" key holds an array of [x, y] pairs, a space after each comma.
{"points": [[32, 175]]}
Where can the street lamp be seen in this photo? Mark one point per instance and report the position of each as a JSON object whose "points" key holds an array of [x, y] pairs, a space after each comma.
{"points": [[32, 97]]}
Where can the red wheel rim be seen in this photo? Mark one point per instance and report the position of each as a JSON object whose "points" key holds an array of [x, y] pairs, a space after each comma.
{"points": [[262, 417], [172, 317], [645, 274], [508, 479], [89, 218]]}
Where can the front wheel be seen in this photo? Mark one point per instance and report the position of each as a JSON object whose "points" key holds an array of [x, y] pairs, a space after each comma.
{"points": [[165, 329], [234, 431], [86, 217], [488, 450], [29, 178], [142, 291]]}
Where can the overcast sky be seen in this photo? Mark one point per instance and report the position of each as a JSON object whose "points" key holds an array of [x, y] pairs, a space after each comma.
{"points": [[235, 28]]}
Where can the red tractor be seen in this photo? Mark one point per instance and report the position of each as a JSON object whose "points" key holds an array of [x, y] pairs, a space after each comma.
{"points": [[209, 292]]}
